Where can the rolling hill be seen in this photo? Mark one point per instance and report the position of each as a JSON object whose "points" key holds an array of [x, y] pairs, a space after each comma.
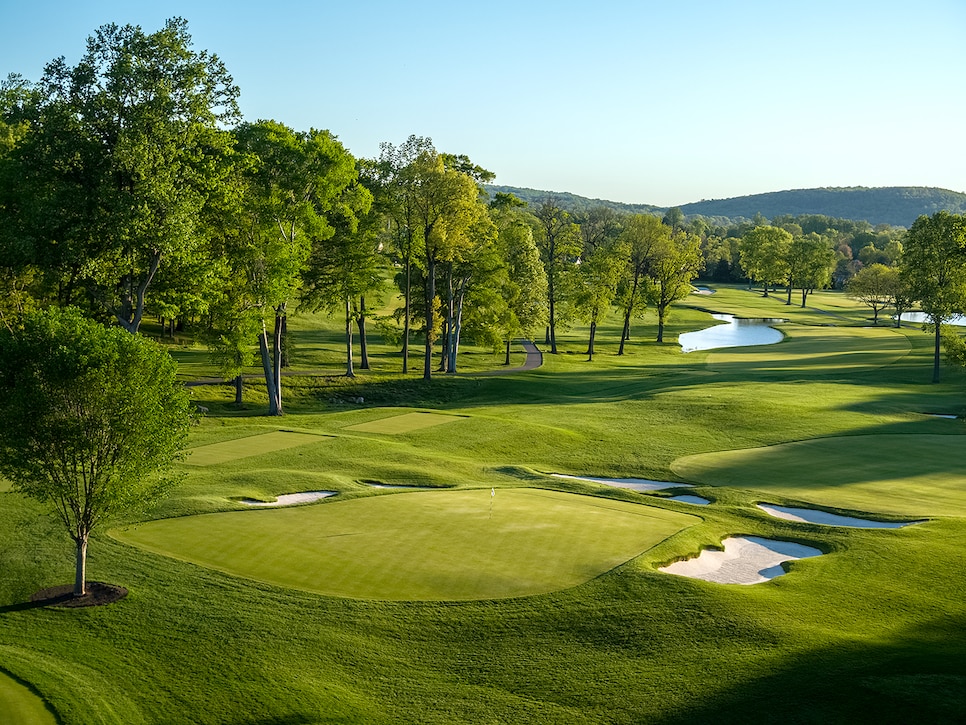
{"points": [[895, 205]]}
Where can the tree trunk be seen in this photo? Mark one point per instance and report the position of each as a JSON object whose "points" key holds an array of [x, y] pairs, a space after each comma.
{"points": [[553, 320], [80, 569], [590, 346], [804, 296], [239, 385], [935, 362], [283, 342], [788, 301], [457, 328], [363, 342], [349, 373], [430, 299], [409, 289], [507, 361], [274, 399]]}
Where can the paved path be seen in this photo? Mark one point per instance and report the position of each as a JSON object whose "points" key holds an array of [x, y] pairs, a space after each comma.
{"points": [[533, 361]]}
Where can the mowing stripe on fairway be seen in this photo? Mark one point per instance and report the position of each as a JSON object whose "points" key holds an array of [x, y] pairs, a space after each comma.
{"points": [[905, 475], [427, 545], [256, 445], [20, 706], [404, 423]]}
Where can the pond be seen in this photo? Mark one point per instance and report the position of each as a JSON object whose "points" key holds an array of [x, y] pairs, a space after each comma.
{"points": [[737, 333], [920, 317]]}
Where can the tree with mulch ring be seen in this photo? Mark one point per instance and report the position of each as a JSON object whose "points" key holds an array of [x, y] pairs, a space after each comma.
{"points": [[91, 418]]}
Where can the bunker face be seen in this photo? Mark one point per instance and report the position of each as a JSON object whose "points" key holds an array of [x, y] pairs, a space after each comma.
{"points": [[634, 484], [813, 516], [695, 500], [430, 545], [291, 499], [744, 560]]}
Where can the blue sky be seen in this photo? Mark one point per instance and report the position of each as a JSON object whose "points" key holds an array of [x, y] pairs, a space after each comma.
{"points": [[650, 102]]}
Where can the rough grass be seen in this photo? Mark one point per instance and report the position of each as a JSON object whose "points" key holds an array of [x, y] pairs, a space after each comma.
{"points": [[874, 631]]}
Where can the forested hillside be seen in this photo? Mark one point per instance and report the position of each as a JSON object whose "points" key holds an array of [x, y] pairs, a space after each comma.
{"points": [[895, 205]]}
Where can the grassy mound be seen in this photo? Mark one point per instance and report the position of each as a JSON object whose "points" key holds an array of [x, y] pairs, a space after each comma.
{"points": [[446, 545]]}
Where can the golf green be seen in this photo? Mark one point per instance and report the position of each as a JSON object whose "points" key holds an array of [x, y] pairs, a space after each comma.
{"points": [[917, 475], [20, 706], [404, 423], [429, 545], [256, 445]]}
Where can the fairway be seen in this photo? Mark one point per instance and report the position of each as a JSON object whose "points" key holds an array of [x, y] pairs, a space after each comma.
{"points": [[20, 706], [434, 545], [916, 475], [816, 350], [256, 445], [405, 423]]}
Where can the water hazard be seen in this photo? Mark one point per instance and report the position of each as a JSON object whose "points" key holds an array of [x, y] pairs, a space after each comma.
{"points": [[737, 333]]}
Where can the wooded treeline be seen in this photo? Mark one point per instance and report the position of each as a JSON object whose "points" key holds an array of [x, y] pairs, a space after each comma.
{"points": [[131, 186]]}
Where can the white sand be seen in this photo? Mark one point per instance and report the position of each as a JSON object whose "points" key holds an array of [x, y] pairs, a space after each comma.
{"points": [[813, 516], [696, 500], [290, 499], [634, 484], [744, 560]]}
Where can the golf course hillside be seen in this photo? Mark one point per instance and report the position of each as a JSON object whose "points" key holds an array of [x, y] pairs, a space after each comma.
{"points": [[752, 534]]}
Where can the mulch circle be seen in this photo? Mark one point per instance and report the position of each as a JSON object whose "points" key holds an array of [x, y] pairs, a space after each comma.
{"points": [[98, 593]]}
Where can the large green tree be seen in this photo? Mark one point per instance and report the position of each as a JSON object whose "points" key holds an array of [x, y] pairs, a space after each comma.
{"points": [[90, 419], [642, 234], [764, 255], [559, 242], [810, 263], [121, 155], [934, 268], [874, 286], [676, 262]]}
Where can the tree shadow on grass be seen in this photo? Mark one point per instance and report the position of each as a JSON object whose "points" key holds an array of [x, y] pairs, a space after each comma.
{"points": [[917, 676]]}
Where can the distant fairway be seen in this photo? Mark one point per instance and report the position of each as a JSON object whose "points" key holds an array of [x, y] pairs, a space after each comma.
{"points": [[256, 445], [20, 706], [917, 475], [405, 423], [817, 350], [438, 545]]}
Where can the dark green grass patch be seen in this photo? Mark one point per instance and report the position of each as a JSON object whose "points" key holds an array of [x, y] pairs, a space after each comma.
{"points": [[917, 475], [405, 423], [256, 445], [440, 545], [20, 706]]}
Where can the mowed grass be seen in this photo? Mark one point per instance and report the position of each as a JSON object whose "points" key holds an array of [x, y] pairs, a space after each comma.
{"points": [[20, 706], [916, 475], [248, 446], [435, 545], [405, 423]]}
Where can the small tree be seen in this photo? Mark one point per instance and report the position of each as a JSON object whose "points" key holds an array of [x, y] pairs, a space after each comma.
{"points": [[874, 286], [89, 419]]}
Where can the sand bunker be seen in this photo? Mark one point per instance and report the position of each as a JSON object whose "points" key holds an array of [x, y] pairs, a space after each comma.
{"points": [[696, 500], [290, 499], [744, 560], [814, 516], [634, 484]]}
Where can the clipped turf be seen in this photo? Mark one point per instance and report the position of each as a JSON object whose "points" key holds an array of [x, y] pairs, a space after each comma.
{"points": [[256, 445], [918, 475], [405, 423], [20, 706], [438, 545]]}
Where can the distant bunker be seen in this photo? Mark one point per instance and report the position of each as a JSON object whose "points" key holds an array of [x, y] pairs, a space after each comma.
{"points": [[462, 544]]}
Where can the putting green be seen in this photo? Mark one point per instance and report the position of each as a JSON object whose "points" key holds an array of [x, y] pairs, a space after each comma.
{"points": [[20, 706], [256, 445], [404, 423], [817, 349], [428, 545], [917, 475]]}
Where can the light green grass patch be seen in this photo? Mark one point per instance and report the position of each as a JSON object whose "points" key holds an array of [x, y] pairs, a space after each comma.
{"points": [[256, 445], [405, 423], [912, 475], [20, 706], [817, 350], [5, 486], [436, 545]]}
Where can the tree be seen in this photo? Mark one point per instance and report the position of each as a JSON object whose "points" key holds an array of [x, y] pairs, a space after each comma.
{"points": [[874, 286], [810, 264], [90, 419], [558, 240], [642, 234], [934, 268], [598, 277], [675, 264], [764, 253], [121, 155]]}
